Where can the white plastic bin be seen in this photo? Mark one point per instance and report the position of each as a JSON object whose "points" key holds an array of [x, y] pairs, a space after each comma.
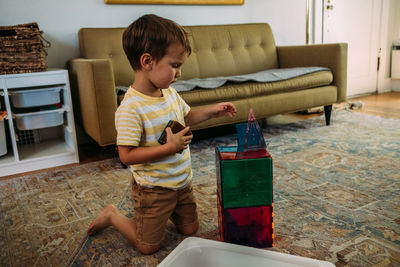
{"points": [[41, 119], [3, 139], [35, 97], [199, 252]]}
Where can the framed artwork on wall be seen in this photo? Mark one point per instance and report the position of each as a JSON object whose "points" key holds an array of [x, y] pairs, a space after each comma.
{"points": [[177, 2]]}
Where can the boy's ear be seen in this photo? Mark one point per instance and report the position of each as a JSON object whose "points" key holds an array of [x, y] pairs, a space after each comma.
{"points": [[146, 61]]}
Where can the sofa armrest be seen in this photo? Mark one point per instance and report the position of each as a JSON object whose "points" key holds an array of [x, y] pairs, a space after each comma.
{"points": [[332, 56], [94, 96]]}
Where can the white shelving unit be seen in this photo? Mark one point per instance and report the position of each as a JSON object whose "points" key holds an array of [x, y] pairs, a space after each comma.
{"points": [[50, 145]]}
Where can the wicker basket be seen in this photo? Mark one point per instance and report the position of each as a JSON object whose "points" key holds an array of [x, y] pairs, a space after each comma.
{"points": [[22, 49]]}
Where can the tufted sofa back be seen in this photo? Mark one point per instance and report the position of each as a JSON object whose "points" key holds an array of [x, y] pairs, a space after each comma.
{"points": [[217, 50], [224, 50], [106, 43]]}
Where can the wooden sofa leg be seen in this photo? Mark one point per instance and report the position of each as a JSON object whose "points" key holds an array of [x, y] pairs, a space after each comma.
{"points": [[328, 111]]}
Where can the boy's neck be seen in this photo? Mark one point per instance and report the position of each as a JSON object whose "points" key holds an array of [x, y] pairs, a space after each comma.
{"points": [[145, 87]]}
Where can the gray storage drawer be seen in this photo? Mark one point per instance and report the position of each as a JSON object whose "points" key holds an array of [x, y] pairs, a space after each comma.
{"points": [[35, 97], [41, 119]]}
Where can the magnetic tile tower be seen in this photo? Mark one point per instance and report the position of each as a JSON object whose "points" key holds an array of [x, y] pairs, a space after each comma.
{"points": [[244, 185]]}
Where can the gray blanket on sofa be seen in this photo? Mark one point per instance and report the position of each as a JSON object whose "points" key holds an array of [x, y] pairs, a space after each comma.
{"points": [[271, 75]]}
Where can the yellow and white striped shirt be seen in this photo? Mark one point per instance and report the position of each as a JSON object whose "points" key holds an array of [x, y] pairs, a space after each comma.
{"points": [[140, 120]]}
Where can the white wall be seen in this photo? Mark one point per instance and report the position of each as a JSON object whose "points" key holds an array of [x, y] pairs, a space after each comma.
{"points": [[61, 19]]}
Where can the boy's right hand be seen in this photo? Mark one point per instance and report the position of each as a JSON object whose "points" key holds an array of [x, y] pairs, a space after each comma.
{"points": [[180, 140]]}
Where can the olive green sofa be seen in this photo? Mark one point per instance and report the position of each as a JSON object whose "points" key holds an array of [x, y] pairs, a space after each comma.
{"points": [[218, 50]]}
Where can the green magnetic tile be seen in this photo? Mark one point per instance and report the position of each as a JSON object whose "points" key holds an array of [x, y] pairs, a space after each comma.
{"points": [[244, 183]]}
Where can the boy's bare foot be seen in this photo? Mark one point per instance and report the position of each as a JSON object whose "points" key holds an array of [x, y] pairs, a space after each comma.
{"points": [[103, 220]]}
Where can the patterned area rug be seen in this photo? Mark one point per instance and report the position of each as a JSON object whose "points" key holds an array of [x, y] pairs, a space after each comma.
{"points": [[43, 217], [336, 198]]}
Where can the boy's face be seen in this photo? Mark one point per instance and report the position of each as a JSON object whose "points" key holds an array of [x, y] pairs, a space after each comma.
{"points": [[168, 68]]}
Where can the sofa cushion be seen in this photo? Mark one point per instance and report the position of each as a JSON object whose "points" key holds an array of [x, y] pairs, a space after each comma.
{"points": [[271, 75], [232, 91], [106, 43], [227, 50]]}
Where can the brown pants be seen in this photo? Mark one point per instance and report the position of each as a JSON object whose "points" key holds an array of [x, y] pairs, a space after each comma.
{"points": [[154, 206]]}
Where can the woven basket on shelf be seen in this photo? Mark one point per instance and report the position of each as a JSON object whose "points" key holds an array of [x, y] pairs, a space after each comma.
{"points": [[22, 49]]}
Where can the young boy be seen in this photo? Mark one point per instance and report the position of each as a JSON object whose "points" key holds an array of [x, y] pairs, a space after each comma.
{"points": [[161, 186]]}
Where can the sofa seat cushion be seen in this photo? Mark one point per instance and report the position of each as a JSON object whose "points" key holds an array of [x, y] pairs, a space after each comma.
{"points": [[270, 75], [232, 91]]}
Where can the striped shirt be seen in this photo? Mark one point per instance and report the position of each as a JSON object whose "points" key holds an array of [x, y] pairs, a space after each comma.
{"points": [[140, 120]]}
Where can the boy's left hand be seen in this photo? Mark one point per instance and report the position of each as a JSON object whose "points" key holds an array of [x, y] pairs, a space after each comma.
{"points": [[224, 109]]}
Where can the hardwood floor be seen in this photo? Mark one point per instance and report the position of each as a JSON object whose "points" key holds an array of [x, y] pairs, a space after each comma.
{"points": [[386, 105], [92, 152]]}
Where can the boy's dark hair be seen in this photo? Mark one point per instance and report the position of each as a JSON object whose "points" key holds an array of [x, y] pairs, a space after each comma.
{"points": [[152, 34]]}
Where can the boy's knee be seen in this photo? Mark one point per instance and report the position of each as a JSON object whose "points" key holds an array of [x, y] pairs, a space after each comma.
{"points": [[148, 249], [189, 229]]}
